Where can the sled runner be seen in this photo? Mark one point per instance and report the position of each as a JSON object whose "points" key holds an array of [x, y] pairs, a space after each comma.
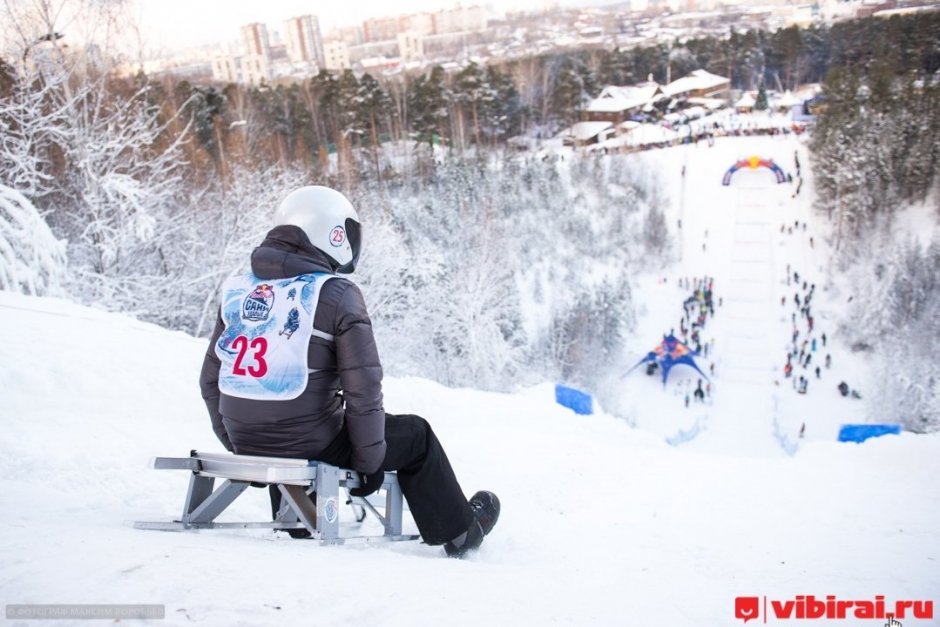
{"points": [[310, 493]]}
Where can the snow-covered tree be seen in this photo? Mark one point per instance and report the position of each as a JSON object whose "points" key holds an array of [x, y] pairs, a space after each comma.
{"points": [[372, 113], [32, 259], [427, 106], [92, 153], [760, 103], [896, 312], [502, 110], [573, 84], [33, 124], [121, 185], [470, 90]]}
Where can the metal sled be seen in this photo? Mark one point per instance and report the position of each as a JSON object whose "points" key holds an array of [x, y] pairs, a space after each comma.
{"points": [[309, 490]]}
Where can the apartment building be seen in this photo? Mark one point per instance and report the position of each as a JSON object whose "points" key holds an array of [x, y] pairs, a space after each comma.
{"points": [[336, 56], [304, 41]]}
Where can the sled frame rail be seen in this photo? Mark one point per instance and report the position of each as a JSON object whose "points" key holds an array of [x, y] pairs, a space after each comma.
{"points": [[310, 492]]}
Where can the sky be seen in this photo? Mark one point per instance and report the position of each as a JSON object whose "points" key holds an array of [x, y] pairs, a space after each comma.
{"points": [[603, 523], [177, 24]]}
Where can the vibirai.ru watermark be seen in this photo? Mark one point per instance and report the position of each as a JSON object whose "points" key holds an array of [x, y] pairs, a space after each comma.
{"points": [[810, 607]]}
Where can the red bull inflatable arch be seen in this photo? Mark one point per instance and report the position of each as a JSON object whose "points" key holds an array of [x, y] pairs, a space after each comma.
{"points": [[752, 163]]}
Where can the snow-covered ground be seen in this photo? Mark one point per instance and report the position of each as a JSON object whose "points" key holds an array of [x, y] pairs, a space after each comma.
{"points": [[603, 522], [733, 234]]}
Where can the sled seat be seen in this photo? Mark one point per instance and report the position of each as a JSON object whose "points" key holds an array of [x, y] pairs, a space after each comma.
{"points": [[310, 493]]}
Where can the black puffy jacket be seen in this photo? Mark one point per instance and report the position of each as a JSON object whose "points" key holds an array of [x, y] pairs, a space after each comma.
{"points": [[345, 391]]}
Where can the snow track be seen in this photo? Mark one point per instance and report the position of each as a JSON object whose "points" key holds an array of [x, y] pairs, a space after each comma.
{"points": [[744, 424], [733, 235]]}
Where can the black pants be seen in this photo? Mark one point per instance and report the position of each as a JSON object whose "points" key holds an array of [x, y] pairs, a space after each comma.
{"points": [[427, 481]]}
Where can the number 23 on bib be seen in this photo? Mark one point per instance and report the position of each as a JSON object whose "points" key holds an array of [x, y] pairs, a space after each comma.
{"points": [[268, 325]]}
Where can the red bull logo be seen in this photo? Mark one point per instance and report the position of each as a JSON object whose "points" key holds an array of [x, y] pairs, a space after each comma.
{"points": [[258, 304]]}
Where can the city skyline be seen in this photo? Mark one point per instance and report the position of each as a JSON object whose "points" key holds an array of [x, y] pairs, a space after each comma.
{"points": [[174, 25]]}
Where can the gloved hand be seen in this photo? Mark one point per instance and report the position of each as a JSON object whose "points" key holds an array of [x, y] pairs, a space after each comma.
{"points": [[370, 483]]}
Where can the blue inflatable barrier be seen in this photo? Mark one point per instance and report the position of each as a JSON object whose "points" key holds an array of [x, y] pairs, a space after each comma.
{"points": [[576, 400], [860, 433]]}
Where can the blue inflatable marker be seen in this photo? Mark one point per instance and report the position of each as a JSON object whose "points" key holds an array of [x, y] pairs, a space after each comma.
{"points": [[575, 400], [860, 433]]}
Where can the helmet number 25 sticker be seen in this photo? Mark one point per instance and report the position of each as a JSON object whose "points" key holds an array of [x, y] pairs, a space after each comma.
{"points": [[258, 347], [337, 236]]}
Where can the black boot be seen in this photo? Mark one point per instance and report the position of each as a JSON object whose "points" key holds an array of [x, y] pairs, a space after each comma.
{"points": [[469, 540], [485, 508]]}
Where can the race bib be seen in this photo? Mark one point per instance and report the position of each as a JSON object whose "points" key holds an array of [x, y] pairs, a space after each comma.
{"points": [[268, 324]]}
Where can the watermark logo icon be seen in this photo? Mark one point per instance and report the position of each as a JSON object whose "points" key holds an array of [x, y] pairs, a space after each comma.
{"points": [[746, 608]]}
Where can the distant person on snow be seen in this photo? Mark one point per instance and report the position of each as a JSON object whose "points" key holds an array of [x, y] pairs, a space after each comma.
{"points": [[316, 393]]}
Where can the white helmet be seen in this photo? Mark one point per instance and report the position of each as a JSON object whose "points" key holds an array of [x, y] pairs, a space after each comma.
{"points": [[329, 221]]}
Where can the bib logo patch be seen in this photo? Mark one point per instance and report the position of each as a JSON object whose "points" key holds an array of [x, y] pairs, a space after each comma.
{"points": [[338, 236], [258, 304]]}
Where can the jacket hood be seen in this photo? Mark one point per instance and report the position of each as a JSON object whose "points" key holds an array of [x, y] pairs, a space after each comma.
{"points": [[286, 252]]}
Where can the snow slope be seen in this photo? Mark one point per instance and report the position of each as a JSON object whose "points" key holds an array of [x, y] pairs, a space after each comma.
{"points": [[733, 234], [602, 523]]}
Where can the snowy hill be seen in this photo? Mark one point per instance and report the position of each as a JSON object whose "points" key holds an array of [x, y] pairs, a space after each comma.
{"points": [[743, 237], [603, 522]]}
